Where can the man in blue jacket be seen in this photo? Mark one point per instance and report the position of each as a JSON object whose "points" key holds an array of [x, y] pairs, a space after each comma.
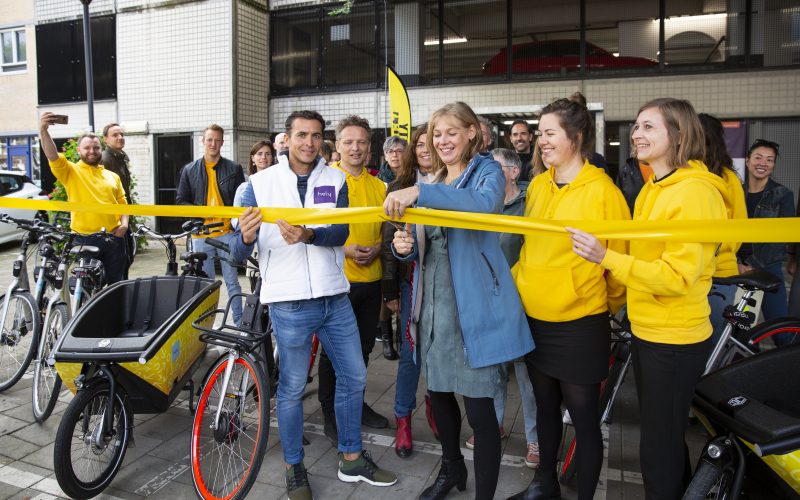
{"points": [[212, 181], [306, 289]]}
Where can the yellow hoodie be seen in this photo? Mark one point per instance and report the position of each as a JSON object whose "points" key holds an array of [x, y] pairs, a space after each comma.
{"points": [[737, 209], [363, 191], [668, 282], [554, 283]]}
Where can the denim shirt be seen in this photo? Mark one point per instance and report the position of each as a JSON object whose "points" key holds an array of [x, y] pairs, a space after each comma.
{"points": [[777, 201]]}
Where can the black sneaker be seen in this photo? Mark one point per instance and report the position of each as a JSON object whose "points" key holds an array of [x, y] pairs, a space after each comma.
{"points": [[331, 432], [364, 469], [371, 418], [297, 486]]}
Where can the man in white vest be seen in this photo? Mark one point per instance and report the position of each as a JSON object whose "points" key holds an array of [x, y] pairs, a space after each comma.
{"points": [[306, 289]]}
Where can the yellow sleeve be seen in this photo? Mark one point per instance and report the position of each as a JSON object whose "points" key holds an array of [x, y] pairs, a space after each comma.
{"points": [[616, 209], [680, 264], [61, 168]]}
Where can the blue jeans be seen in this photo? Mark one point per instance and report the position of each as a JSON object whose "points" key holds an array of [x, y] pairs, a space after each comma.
{"points": [[525, 394], [294, 324], [776, 305], [408, 367], [719, 297], [229, 273]]}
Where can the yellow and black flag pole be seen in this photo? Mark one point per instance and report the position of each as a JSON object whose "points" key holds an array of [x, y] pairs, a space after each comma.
{"points": [[399, 106]]}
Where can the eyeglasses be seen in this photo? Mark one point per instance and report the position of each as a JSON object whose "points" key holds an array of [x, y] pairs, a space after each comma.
{"points": [[394, 152], [765, 143]]}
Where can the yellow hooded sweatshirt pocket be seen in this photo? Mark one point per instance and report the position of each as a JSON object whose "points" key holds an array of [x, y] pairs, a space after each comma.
{"points": [[668, 282], [554, 283]]}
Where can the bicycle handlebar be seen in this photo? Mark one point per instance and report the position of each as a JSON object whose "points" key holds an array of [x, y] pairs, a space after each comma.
{"points": [[227, 249]]}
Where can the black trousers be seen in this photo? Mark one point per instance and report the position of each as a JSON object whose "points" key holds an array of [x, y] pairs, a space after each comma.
{"points": [[112, 253], [666, 375], [482, 419], [366, 301]]}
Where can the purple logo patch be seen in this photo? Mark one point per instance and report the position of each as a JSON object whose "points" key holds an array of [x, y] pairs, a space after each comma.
{"points": [[324, 194]]}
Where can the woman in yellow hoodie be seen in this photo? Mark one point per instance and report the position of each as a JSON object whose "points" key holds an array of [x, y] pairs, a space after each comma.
{"points": [[566, 298], [667, 286], [719, 162]]}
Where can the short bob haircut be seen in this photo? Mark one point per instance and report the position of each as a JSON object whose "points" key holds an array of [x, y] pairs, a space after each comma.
{"points": [[464, 114], [684, 130]]}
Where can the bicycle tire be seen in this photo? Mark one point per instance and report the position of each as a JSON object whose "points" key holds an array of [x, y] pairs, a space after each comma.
{"points": [[84, 414], [568, 466], [769, 328], [621, 352], [710, 482], [222, 442], [18, 339], [45, 394]]}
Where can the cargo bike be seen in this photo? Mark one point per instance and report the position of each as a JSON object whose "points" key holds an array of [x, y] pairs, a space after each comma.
{"points": [[131, 349]]}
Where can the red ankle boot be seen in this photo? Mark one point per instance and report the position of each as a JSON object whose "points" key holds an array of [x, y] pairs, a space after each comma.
{"points": [[402, 442], [429, 416]]}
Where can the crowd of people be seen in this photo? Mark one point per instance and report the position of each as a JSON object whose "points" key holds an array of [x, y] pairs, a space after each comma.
{"points": [[469, 304]]}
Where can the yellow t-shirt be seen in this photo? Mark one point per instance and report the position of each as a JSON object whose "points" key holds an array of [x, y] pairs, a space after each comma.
{"points": [[87, 184], [214, 199], [364, 191]]}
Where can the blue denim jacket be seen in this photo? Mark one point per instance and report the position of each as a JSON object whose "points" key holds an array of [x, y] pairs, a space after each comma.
{"points": [[489, 308], [777, 201]]}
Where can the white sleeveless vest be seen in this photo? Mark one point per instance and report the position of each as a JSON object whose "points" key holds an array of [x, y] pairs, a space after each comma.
{"points": [[299, 271]]}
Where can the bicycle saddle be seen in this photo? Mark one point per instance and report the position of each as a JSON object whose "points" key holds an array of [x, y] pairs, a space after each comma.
{"points": [[757, 398], [186, 256], [755, 279], [84, 250]]}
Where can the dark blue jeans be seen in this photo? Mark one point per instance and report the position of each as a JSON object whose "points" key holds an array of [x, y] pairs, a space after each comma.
{"points": [[408, 367], [113, 255]]}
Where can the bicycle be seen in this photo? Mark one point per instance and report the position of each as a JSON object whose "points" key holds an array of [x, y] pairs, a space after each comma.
{"points": [[70, 294], [131, 349], [20, 319], [738, 338], [749, 407]]}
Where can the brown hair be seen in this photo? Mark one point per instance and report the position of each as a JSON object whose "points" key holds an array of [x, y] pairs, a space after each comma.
{"points": [[215, 128], [683, 129], [84, 135], [717, 158], [464, 114], [109, 127], [326, 150], [575, 119], [352, 121], [251, 166], [537, 165], [409, 166]]}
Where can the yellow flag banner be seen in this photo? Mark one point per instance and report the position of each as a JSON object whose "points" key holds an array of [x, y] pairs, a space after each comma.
{"points": [[782, 230], [398, 106]]}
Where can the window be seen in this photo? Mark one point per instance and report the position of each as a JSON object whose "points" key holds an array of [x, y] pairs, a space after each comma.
{"points": [[10, 184], [60, 59], [14, 50]]}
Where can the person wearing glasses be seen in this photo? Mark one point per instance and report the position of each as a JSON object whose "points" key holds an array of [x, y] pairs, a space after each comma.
{"points": [[393, 149], [766, 198]]}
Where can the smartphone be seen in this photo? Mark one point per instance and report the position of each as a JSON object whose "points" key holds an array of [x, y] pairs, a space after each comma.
{"points": [[61, 119]]}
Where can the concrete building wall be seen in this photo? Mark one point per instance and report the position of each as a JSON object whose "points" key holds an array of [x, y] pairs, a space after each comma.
{"points": [[755, 94], [50, 11], [21, 118]]}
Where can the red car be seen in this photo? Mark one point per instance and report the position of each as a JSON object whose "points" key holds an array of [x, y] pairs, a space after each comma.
{"points": [[555, 56]]}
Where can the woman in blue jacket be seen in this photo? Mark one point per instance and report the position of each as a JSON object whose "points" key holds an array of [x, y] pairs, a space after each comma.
{"points": [[468, 313]]}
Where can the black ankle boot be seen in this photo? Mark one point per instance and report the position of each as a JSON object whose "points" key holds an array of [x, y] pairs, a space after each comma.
{"points": [[388, 345], [452, 473], [543, 487]]}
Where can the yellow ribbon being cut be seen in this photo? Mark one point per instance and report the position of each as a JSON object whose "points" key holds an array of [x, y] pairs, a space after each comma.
{"points": [[782, 230]]}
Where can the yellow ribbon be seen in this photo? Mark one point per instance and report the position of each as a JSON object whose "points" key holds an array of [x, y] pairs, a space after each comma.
{"points": [[781, 230]]}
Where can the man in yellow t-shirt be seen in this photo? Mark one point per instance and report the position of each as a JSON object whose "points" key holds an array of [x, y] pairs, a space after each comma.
{"points": [[212, 181], [88, 182], [362, 265]]}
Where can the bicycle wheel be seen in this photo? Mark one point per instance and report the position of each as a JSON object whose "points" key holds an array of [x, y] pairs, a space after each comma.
{"points": [[615, 374], [85, 458], [568, 466], [18, 338], [226, 460], [46, 381], [710, 482], [769, 328]]}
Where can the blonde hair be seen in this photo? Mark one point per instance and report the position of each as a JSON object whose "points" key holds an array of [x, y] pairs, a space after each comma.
{"points": [[684, 130], [464, 114]]}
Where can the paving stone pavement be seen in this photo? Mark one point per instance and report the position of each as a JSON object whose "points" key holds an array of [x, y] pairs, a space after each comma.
{"points": [[158, 466]]}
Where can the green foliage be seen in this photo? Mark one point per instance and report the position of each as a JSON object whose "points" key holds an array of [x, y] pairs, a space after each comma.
{"points": [[59, 193], [347, 5]]}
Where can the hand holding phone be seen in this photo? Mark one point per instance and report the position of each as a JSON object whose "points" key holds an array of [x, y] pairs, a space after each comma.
{"points": [[60, 119]]}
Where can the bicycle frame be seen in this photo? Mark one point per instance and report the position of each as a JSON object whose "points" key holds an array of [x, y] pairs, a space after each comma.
{"points": [[20, 281], [716, 357]]}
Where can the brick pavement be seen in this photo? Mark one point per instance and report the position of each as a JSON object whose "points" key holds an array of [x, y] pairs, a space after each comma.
{"points": [[158, 466]]}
